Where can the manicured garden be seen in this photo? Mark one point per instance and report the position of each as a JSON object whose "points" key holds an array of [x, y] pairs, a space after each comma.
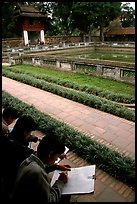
{"points": [[96, 92], [102, 94]]}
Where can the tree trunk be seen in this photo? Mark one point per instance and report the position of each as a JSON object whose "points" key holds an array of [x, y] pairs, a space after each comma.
{"points": [[101, 33], [89, 37]]}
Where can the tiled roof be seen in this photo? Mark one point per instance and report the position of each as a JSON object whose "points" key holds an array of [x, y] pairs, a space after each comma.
{"points": [[32, 15], [122, 31], [29, 10]]}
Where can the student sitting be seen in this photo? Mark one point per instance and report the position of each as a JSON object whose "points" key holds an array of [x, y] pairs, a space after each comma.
{"points": [[14, 149], [12, 154], [32, 182], [22, 129]]}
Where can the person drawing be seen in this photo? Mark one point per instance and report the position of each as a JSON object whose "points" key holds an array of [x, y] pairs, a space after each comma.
{"points": [[33, 182]]}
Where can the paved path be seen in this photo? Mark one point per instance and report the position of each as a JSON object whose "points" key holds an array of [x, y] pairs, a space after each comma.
{"points": [[114, 132]]}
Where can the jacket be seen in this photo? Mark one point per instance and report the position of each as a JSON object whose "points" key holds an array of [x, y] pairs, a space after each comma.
{"points": [[4, 127], [33, 183], [12, 154]]}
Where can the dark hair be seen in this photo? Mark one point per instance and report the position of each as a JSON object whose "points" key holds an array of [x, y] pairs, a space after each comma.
{"points": [[24, 123], [50, 143], [10, 112]]}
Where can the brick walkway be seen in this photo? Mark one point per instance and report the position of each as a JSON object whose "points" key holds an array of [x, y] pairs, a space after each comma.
{"points": [[114, 132]]}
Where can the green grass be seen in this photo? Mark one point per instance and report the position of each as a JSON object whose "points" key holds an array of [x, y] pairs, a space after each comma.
{"points": [[83, 79], [101, 55]]}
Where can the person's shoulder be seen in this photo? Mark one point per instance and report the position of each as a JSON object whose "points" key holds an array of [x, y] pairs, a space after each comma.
{"points": [[34, 169], [20, 149], [37, 164]]}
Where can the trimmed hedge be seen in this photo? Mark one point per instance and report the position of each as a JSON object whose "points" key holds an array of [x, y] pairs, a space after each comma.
{"points": [[78, 96], [122, 98], [121, 167]]}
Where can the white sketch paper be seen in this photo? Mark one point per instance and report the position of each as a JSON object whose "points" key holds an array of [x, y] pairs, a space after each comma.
{"points": [[80, 180]]}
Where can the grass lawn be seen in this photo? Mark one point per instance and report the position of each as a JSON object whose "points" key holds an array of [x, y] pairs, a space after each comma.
{"points": [[107, 55], [83, 79]]}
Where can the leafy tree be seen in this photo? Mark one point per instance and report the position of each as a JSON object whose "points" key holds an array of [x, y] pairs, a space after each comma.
{"points": [[8, 23], [104, 13], [127, 16], [62, 17], [89, 15], [83, 17]]}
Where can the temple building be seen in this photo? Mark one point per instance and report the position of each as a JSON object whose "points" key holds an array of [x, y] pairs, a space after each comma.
{"points": [[121, 34], [30, 19]]}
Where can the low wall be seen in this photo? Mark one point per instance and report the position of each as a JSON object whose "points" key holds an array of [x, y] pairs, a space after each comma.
{"points": [[49, 40], [62, 39], [12, 42]]}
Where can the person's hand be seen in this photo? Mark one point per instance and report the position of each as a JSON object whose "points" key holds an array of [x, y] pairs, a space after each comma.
{"points": [[64, 167], [63, 176]]}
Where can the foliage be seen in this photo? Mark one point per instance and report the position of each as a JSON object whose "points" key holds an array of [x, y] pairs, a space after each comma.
{"points": [[8, 23], [121, 167], [84, 98], [107, 84], [123, 98], [63, 17], [95, 15], [127, 16]]}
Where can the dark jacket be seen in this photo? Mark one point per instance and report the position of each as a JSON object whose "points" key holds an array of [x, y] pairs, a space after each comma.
{"points": [[18, 138], [11, 156], [33, 183]]}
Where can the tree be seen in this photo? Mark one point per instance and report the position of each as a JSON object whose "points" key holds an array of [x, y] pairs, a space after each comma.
{"points": [[8, 23], [127, 16], [82, 16], [104, 13], [95, 15], [62, 17]]}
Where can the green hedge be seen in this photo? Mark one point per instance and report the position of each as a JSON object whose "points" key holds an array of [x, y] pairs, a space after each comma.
{"points": [[122, 98], [122, 168], [78, 96]]}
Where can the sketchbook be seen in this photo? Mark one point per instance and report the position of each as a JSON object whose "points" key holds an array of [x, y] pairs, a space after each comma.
{"points": [[80, 180]]}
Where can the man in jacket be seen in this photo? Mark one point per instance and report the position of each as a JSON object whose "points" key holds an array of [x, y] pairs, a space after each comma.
{"points": [[33, 182]]}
